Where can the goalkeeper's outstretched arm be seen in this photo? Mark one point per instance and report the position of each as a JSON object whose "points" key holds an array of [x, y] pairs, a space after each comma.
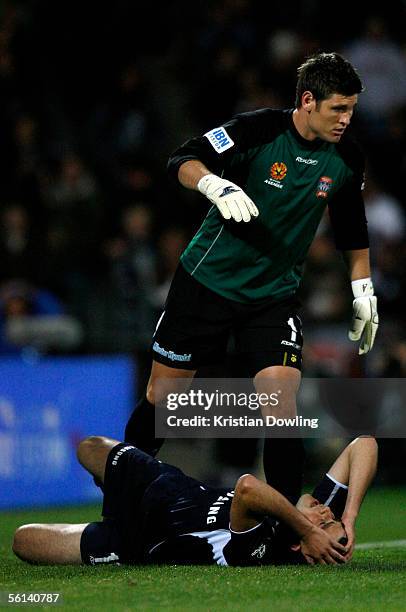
{"points": [[230, 199]]}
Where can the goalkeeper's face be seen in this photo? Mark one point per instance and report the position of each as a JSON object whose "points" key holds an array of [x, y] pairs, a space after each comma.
{"points": [[328, 119]]}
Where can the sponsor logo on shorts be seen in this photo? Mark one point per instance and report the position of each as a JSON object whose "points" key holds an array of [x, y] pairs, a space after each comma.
{"points": [[287, 343], [219, 139], [324, 186], [170, 354], [307, 160], [277, 173], [121, 452], [259, 552], [109, 559]]}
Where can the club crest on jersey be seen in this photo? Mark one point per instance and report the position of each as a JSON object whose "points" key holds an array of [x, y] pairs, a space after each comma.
{"points": [[324, 186], [277, 173]]}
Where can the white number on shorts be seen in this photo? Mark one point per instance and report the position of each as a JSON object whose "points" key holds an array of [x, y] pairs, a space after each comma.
{"points": [[291, 324]]}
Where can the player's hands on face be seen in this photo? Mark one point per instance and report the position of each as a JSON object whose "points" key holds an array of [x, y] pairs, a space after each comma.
{"points": [[230, 199], [349, 525], [318, 547]]}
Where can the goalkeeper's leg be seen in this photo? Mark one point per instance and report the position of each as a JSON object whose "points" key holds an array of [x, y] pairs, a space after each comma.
{"points": [[284, 465], [140, 429], [284, 454]]}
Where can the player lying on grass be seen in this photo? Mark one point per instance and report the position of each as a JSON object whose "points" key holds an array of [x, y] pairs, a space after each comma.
{"points": [[154, 513]]}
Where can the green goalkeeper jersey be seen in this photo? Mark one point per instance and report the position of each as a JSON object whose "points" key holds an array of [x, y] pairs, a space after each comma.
{"points": [[291, 180]]}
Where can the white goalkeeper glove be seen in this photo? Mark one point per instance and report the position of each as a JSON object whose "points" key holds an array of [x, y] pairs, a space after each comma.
{"points": [[365, 318], [230, 199]]}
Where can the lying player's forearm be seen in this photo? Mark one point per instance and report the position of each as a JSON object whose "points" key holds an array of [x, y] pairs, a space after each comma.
{"points": [[261, 499], [363, 458], [191, 172]]}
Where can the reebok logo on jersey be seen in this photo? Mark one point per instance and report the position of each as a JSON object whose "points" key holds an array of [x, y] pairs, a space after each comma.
{"points": [[227, 191], [219, 139], [310, 162], [259, 552], [287, 343]]}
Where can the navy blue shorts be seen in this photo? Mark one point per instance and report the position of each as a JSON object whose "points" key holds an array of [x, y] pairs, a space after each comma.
{"points": [[129, 475]]}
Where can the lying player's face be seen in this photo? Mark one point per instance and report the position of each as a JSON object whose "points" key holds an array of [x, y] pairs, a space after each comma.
{"points": [[323, 517], [330, 118], [336, 531], [318, 514]]}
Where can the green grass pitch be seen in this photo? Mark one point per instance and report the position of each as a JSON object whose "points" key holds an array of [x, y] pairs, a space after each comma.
{"points": [[374, 580]]}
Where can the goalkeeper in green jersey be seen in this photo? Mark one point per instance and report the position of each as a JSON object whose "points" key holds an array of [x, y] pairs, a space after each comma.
{"points": [[269, 176]]}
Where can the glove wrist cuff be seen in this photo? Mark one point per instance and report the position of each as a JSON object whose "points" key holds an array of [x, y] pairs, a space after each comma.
{"points": [[204, 183], [362, 287]]}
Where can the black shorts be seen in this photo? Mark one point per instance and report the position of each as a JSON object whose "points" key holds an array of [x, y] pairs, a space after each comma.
{"points": [[196, 325], [128, 478], [145, 502]]}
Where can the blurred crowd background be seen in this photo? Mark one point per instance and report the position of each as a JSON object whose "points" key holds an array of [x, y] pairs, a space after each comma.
{"points": [[95, 96]]}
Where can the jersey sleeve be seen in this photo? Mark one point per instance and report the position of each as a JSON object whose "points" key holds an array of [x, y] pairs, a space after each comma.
{"points": [[252, 547], [216, 148], [332, 493], [346, 208]]}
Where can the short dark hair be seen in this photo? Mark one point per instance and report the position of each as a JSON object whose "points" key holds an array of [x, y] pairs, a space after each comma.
{"points": [[325, 74]]}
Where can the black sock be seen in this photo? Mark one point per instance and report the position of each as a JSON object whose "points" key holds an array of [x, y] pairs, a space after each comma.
{"points": [[98, 483], [284, 465], [140, 429]]}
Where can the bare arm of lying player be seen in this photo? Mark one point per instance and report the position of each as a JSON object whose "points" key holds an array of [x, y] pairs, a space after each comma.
{"points": [[355, 467], [254, 499]]}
